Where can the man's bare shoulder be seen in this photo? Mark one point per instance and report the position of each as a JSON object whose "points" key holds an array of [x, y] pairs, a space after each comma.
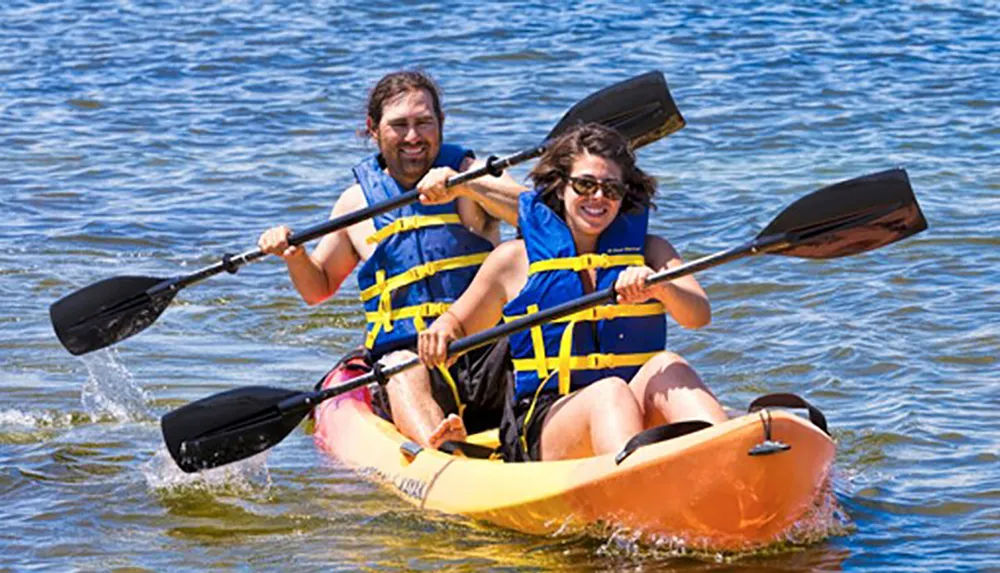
{"points": [[352, 199]]}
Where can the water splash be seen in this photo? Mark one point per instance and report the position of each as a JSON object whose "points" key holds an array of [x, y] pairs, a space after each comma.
{"points": [[826, 518], [247, 478], [111, 389]]}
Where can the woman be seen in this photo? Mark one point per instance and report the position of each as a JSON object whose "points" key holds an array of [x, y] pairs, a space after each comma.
{"points": [[586, 384]]}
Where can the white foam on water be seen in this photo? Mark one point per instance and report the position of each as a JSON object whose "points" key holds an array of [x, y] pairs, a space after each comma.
{"points": [[110, 389], [18, 419], [826, 518], [246, 478]]}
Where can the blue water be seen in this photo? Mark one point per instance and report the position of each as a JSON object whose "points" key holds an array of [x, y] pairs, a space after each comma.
{"points": [[149, 138]]}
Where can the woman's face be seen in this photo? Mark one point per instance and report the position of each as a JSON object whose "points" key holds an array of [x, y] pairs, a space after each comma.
{"points": [[590, 215]]}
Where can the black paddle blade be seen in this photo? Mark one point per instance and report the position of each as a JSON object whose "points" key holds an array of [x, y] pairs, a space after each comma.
{"points": [[107, 311], [848, 218], [641, 109], [231, 425]]}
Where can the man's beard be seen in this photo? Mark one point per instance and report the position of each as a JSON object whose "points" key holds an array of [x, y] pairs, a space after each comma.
{"points": [[411, 170]]}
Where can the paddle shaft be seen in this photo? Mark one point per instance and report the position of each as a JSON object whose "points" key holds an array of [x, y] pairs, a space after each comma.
{"points": [[754, 247], [839, 220], [231, 264]]}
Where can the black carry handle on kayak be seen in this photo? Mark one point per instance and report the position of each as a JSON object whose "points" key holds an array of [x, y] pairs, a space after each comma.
{"points": [[840, 220], [114, 309]]}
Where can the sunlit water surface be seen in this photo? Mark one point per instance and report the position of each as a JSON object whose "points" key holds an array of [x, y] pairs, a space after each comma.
{"points": [[149, 138]]}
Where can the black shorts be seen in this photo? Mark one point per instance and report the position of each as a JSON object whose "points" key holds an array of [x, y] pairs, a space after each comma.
{"points": [[482, 376], [520, 444]]}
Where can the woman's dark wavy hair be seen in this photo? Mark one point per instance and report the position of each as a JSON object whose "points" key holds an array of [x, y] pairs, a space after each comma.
{"points": [[551, 171]]}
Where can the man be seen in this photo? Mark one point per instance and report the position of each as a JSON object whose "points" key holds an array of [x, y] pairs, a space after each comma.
{"points": [[415, 260]]}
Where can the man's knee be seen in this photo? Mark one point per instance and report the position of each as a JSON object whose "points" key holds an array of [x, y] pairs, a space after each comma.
{"points": [[397, 357], [411, 380]]}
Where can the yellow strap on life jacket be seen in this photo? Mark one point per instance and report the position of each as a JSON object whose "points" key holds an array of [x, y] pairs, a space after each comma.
{"points": [[562, 364], [584, 262], [537, 343], [383, 287], [454, 388], [588, 362], [418, 313], [603, 312], [531, 412], [410, 223], [543, 365]]}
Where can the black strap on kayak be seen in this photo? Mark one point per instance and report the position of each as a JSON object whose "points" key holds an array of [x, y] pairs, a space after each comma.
{"points": [[785, 400], [467, 450], [358, 359], [660, 434]]}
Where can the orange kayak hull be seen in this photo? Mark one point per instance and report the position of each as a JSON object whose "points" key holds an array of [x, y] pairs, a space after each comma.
{"points": [[702, 489]]}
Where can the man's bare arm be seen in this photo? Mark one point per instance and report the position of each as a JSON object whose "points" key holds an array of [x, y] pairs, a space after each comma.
{"points": [[318, 275], [497, 196], [481, 203]]}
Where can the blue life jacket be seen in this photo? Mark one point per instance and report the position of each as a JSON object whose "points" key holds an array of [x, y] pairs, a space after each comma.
{"points": [[609, 340], [425, 258]]}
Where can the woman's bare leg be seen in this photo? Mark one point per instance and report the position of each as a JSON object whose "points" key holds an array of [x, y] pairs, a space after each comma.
{"points": [[669, 390], [595, 420]]}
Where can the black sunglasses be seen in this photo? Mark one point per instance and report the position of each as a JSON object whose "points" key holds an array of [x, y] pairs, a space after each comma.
{"points": [[586, 186]]}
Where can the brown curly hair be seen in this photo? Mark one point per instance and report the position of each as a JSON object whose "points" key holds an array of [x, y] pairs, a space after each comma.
{"points": [[549, 174]]}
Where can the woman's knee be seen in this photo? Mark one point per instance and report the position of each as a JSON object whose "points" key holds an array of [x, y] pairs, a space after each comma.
{"points": [[614, 393], [666, 359], [664, 374], [610, 387]]}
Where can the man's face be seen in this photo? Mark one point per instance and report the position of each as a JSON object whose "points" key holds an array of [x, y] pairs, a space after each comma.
{"points": [[408, 135]]}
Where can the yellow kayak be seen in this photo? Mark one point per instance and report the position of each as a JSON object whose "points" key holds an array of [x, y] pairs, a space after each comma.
{"points": [[704, 489]]}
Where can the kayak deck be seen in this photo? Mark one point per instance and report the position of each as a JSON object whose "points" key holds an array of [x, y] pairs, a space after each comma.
{"points": [[702, 488]]}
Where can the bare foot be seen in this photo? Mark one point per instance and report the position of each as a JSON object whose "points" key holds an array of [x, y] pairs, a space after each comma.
{"points": [[451, 428]]}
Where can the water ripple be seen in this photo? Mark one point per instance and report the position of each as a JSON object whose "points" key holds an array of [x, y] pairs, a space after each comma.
{"points": [[149, 138]]}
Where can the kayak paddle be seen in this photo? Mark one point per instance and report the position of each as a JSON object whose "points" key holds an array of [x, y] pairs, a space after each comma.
{"points": [[840, 220], [114, 309]]}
